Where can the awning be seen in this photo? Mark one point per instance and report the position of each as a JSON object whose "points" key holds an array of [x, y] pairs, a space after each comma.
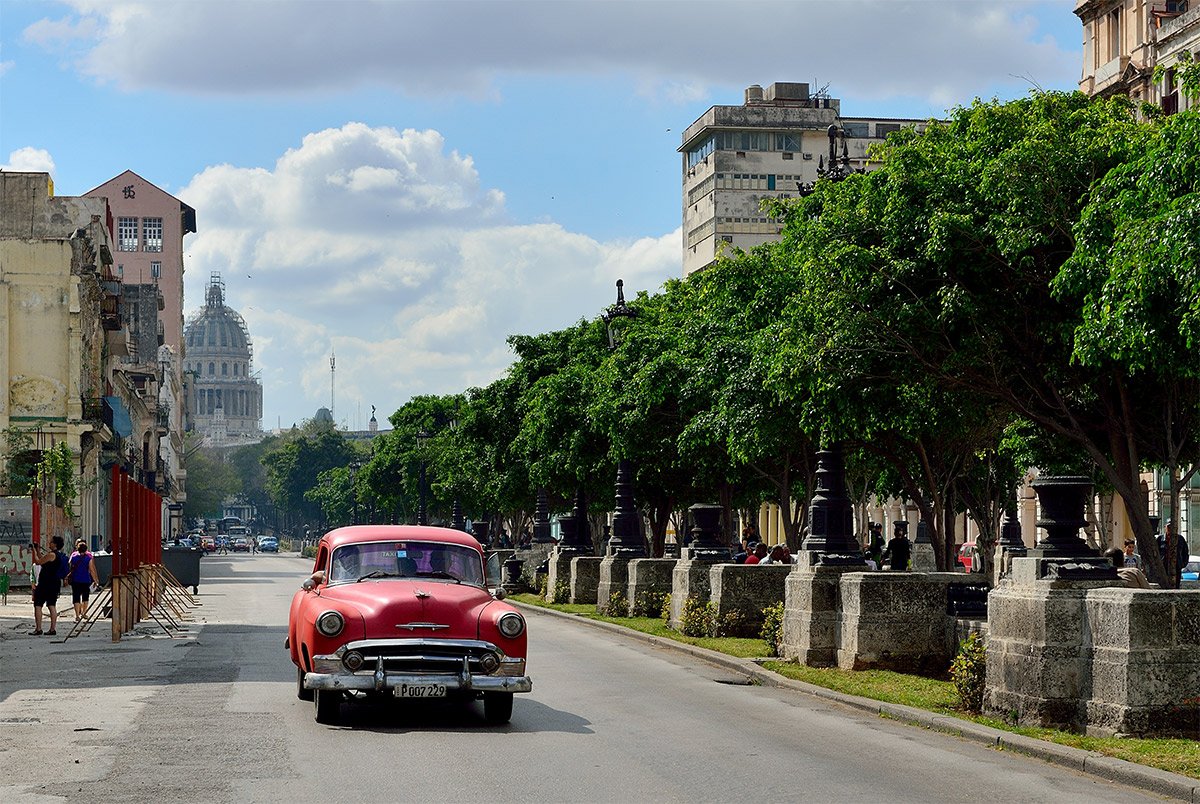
{"points": [[121, 421]]}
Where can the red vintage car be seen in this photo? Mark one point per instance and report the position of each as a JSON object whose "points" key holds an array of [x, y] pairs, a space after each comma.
{"points": [[404, 611]]}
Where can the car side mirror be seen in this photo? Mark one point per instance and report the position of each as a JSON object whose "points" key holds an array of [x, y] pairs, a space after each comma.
{"points": [[313, 581], [499, 593]]}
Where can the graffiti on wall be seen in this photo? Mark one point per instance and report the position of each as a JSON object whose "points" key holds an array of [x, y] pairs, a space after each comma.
{"points": [[16, 532]]}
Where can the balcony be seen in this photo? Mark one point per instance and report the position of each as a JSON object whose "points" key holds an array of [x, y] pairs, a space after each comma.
{"points": [[162, 419], [1109, 74]]}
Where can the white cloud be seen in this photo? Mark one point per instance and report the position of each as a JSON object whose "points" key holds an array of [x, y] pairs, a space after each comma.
{"points": [[32, 160], [940, 50], [382, 246]]}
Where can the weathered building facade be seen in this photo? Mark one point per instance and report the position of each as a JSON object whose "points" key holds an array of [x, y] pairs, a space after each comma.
{"points": [[736, 157], [1125, 40]]}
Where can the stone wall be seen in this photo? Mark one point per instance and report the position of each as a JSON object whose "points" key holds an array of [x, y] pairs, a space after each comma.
{"points": [[740, 592], [897, 621], [585, 578], [649, 580]]}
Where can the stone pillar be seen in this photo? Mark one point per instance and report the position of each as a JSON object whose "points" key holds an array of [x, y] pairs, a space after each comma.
{"points": [[690, 576], [923, 557], [585, 578], [1039, 639], [614, 577], [572, 545], [811, 615]]}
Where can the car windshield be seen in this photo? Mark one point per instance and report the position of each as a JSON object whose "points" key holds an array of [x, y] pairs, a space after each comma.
{"points": [[383, 560]]}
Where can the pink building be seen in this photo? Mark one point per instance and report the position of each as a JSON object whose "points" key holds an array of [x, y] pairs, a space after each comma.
{"points": [[149, 225]]}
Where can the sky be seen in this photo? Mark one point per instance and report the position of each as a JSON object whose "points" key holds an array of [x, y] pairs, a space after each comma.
{"points": [[406, 184]]}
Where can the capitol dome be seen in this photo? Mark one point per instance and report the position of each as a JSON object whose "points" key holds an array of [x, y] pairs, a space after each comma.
{"points": [[218, 353]]}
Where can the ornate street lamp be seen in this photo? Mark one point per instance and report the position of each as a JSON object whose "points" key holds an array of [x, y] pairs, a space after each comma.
{"points": [[422, 438], [355, 465], [831, 514], [626, 540]]}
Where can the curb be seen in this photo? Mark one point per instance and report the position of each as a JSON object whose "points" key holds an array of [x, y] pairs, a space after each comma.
{"points": [[1151, 780]]}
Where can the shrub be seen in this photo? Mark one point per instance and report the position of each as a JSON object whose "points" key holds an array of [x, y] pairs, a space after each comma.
{"points": [[543, 581], [772, 627], [733, 623], [309, 552], [696, 620], [618, 606], [562, 592], [968, 672], [665, 613], [648, 604]]}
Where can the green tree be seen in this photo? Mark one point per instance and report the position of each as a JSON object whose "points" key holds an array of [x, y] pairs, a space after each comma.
{"points": [[211, 480]]}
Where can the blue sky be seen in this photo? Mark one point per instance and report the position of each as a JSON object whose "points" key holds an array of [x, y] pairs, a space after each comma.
{"points": [[407, 183]]}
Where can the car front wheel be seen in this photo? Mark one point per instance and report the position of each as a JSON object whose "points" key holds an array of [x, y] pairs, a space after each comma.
{"points": [[497, 707], [301, 693], [328, 706]]}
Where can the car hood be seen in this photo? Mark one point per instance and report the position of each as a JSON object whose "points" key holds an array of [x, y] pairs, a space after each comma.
{"points": [[392, 608]]}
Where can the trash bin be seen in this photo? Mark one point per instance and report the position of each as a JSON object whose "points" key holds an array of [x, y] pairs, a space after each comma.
{"points": [[103, 562], [184, 564]]}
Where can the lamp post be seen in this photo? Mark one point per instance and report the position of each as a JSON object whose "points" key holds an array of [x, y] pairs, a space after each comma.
{"points": [[626, 540], [355, 465], [422, 438]]}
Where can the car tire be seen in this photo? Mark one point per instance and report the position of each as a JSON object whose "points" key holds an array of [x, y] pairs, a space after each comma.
{"points": [[497, 707], [328, 706], [301, 693]]}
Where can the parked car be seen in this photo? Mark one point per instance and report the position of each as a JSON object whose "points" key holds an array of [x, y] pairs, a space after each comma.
{"points": [[404, 611], [1191, 570], [208, 544], [268, 546], [966, 555], [240, 545]]}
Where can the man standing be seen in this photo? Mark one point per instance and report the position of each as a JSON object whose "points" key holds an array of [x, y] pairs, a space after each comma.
{"points": [[899, 550]]}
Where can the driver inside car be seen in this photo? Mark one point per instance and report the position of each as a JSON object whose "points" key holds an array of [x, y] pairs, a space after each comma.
{"points": [[345, 564]]}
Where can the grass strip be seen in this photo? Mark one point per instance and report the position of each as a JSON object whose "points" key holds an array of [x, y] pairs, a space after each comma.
{"points": [[933, 695]]}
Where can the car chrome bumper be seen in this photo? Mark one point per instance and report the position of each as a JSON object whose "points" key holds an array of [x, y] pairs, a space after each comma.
{"points": [[342, 679]]}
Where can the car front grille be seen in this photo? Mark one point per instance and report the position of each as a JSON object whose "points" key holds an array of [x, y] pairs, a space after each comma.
{"points": [[424, 656]]}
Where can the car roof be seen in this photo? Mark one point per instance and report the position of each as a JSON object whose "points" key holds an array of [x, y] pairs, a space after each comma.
{"points": [[353, 534]]}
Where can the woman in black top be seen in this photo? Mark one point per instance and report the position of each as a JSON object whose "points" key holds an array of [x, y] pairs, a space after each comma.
{"points": [[49, 583]]}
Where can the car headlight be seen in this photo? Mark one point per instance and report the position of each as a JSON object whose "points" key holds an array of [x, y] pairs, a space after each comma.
{"points": [[511, 624], [331, 623]]}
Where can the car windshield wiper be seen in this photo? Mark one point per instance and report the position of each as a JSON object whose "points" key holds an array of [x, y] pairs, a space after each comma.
{"points": [[378, 574], [440, 574]]}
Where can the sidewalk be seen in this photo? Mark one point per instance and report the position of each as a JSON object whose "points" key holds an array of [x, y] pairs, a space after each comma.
{"points": [[1151, 780]]}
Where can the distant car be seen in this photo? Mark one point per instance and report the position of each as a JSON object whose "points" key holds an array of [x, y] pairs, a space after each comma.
{"points": [[966, 555], [404, 611], [1191, 570], [240, 545], [268, 546], [208, 544]]}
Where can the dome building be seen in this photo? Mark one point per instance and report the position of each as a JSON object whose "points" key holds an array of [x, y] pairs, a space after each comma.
{"points": [[226, 396]]}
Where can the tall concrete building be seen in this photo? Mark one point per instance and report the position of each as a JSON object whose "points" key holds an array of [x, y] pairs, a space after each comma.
{"points": [[227, 395], [1125, 40], [735, 157]]}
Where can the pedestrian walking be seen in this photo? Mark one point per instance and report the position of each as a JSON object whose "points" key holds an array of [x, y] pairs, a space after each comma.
{"points": [[82, 577], [51, 565]]}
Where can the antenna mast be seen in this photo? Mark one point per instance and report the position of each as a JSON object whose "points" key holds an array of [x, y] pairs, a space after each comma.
{"points": [[331, 371]]}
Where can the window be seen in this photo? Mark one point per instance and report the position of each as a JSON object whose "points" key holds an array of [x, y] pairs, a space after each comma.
{"points": [[212, 369], [127, 234], [235, 369], [224, 369], [787, 142], [860, 130], [155, 268], [1114, 34], [883, 129], [152, 234], [700, 153]]}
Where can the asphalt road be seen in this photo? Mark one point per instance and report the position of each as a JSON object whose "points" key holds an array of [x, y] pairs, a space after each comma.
{"points": [[213, 717]]}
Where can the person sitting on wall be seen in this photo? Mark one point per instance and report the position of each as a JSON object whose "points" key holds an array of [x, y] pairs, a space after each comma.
{"points": [[1131, 558], [1132, 577], [760, 553]]}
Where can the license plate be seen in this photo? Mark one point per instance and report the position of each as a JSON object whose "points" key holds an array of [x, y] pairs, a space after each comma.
{"points": [[420, 691]]}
